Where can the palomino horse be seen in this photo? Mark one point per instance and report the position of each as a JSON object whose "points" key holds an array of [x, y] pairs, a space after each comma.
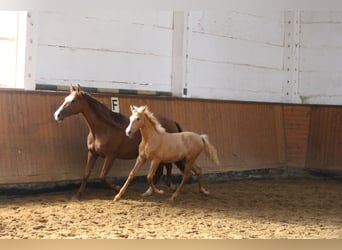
{"points": [[106, 136], [159, 146]]}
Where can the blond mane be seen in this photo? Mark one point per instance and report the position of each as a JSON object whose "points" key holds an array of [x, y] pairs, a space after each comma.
{"points": [[154, 121]]}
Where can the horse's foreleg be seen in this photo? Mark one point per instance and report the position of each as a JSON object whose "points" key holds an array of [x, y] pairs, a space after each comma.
{"points": [[156, 177], [140, 160], [151, 172], [107, 164], [90, 165], [198, 172]]}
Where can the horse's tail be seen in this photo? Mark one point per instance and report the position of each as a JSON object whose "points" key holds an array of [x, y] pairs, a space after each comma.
{"points": [[178, 127], [210, 150]]}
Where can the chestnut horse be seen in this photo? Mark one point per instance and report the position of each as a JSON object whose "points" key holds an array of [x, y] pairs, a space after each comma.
{"points": [[106, 137], [159, 146]]}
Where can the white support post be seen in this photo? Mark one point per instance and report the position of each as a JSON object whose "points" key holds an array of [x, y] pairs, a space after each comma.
{"points": [[291, 57], [31, 50], [21, 49], [180, 53]]}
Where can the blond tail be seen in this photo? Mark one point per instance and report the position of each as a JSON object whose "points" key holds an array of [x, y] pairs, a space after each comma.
{"points": [[210, 150]]}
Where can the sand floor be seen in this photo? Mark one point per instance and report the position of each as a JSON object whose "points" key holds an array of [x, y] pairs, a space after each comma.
{"points": [[267, 209]]}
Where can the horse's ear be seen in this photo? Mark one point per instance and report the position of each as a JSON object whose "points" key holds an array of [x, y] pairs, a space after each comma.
{"points": [[79, 88], [71, 88], [132, 108], [143, 108]]}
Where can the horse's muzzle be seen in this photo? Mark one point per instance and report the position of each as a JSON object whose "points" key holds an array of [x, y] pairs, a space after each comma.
{"points": [[58, 116], [129, 132]]}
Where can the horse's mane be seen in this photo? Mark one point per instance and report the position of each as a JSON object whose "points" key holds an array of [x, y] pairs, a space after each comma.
{"points": [[159, 128], [113, 118]]}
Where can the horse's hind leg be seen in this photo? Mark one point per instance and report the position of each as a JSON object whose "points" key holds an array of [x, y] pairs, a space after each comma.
{"points": [[180, 165], [167, 180], [198, 172], [186, 175], [159, 173]]}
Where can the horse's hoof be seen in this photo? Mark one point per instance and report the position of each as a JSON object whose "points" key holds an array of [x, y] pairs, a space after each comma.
{"points": [[172, 198], [173, 187], [160, 191], [76, 197], [148, 192], [117, 188], [204, 191], [116, 198]]}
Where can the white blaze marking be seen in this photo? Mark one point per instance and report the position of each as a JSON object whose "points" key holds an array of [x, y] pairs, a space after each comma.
{"points": [[67, 99]]}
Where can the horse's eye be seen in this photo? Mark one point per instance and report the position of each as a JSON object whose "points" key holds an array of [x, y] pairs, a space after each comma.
{"points": [[73, 101], [138, 118]]}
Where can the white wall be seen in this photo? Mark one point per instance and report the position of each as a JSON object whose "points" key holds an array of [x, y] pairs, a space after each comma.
{"points": [[320, 75], [236, 56], [292, 57], [124, 50]]}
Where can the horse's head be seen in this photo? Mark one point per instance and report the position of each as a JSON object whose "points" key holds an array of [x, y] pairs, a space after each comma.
{"points": [[72, 104], [136, 120]]}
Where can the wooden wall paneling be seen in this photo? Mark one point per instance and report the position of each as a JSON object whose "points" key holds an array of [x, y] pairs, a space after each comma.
{"points": [[15, 123], [30, 150], [297, 126], [280, 140], [324, 145], [258, 137], [246, 135], [5, 132], [239, 144]]}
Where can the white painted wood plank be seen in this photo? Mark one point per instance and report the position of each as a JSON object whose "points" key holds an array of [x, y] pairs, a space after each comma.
{"points": [[103, 69], [234, 82], [223, 49], [234, 95], [236, 56], [103, 34], [264, 27], [322, 99], [320, 83], [320, 65], [156, 18], [321, 35], [324, 59], [321, 17], [162, 19]]}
